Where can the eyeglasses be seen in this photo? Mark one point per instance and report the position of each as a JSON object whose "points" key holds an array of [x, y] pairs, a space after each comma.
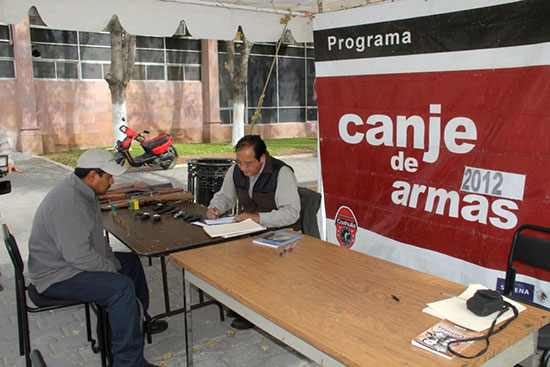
{"points": [[245, 164]]}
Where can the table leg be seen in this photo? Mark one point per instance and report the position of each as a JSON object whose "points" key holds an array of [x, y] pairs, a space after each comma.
{"points": [[165, 284], [187, 320], [169, 311]]}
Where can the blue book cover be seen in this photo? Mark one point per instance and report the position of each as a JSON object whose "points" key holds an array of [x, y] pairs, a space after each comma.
{"points": [[277, 239]]}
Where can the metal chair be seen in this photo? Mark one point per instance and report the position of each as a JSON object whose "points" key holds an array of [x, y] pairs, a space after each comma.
{"points": [[42, 303], [37, 359], [531, 246], [310, 201]]}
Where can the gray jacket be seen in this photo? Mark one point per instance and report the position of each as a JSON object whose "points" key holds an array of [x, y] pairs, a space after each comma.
{"points": [[67, 235]]}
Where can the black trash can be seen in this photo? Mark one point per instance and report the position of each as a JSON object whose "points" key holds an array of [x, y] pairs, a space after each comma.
{"points": [[205, 177]]}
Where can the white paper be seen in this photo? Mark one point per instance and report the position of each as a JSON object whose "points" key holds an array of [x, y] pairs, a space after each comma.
{"points": [[233, 228], [199, 223], [454, 309], [222, 220]]}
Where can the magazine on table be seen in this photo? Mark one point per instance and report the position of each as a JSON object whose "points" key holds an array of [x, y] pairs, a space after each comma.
{"points": [[277, 239], [436, 338]]}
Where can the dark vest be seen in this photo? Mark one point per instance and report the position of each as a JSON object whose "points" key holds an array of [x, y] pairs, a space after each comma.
{"points": [[263, 192]]}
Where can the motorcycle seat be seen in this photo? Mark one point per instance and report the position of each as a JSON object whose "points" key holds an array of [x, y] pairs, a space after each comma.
{"points": [[159, 140]]}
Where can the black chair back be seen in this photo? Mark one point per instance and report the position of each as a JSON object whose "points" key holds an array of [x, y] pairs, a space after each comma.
{"points": [[531, 246], [13, 251], [310, 201], [532, 249]]}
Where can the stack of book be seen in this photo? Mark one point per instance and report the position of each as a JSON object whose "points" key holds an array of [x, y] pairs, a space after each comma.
{"points": [[277, 239]]}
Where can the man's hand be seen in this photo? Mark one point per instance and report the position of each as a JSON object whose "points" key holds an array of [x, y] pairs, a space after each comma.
{"points": [[213, 213], [244, 216], [13, 167]]}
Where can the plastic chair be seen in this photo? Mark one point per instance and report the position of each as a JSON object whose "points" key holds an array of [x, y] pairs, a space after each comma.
{"points": [[41, 302], [532, 249]]}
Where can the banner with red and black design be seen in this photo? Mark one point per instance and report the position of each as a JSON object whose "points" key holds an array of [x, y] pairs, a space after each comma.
{"points": [[434, 130]]}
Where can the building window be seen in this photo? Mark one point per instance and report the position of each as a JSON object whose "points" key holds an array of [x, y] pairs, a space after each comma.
{"points": [[7, 63], [76, 55], [289, 96]]}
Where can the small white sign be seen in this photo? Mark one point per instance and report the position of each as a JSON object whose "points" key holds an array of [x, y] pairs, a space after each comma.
{"points": [[493, 183]]}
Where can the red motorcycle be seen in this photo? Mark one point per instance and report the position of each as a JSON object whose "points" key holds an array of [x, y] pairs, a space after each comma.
{"points": [[159, 152]]}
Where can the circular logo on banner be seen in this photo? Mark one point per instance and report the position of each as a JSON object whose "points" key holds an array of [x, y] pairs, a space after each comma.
{"points": [[346, 226]]}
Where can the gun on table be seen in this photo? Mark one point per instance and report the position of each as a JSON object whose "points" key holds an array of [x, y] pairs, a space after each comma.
{"points": [[159, 197], [108, 197]]}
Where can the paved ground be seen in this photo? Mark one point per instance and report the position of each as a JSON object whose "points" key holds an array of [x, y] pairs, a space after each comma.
{"points": [[61, 335]]}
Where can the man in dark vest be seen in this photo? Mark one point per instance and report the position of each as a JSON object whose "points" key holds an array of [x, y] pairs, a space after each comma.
{"points": [[266, 188]]}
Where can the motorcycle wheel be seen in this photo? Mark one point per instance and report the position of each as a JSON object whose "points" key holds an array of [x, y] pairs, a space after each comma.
{"points": [[170, 158], [168, 161], [172, 149], [119, 159]]}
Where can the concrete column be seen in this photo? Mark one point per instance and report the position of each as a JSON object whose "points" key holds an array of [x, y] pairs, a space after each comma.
{"points": [[30, 140], [210, 88]]}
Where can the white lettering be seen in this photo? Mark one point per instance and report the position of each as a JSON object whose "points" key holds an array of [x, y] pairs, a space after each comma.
{"points": [[360, 44], [381, 132], [369, 38], [392, 38], [401, 196], [415, 194], [500, 214], [331, 42], [403, 123], [377, 40], [433, 135], [452, 134], [343, 128], [477, 212], [399, 162], [498, 207], [442, 195]]}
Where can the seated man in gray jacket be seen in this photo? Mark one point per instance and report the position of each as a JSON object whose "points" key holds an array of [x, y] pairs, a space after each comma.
{"points": [[266, 189], [69, 257]]}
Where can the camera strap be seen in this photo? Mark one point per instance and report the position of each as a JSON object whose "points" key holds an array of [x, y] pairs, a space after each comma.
{"points": [[490, 332]]}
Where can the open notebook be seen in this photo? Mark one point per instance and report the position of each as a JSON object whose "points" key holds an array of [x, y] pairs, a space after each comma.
{"points": [[233, 228]]}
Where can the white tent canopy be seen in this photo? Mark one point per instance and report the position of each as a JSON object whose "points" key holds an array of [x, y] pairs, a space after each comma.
{"points": [[220, 20]]}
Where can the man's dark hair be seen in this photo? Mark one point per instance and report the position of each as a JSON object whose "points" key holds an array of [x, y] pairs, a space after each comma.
{"points": [[254, 141], [83, 172]]}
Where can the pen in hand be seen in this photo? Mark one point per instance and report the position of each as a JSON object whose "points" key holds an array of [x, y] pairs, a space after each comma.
{"points": [[213, 213]]}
